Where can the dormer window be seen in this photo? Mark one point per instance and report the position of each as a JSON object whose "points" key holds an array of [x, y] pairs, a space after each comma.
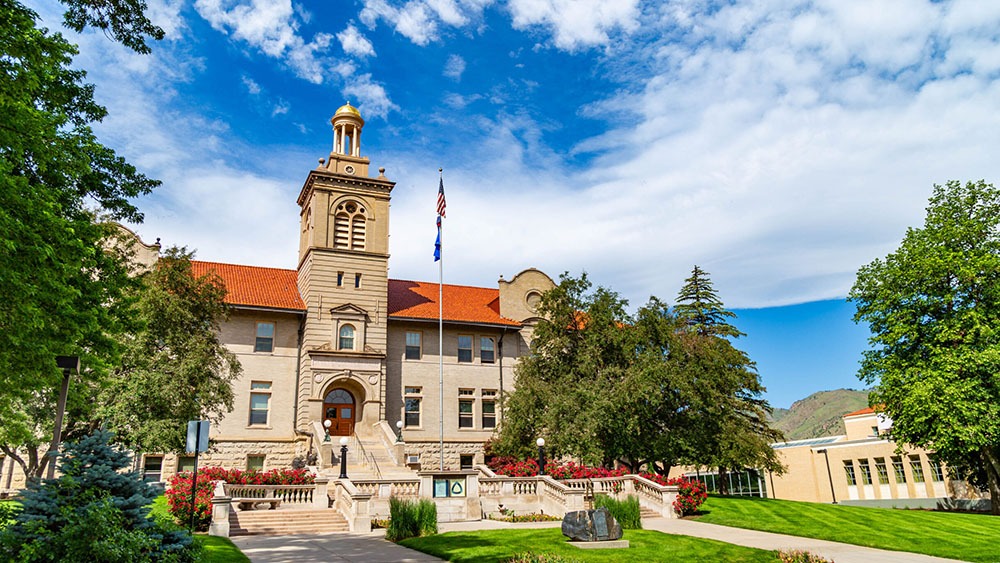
{"points": [[346, 337], [349, 226]]}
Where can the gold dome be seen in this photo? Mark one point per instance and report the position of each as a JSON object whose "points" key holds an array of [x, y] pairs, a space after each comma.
{"points": [[347, 109]]}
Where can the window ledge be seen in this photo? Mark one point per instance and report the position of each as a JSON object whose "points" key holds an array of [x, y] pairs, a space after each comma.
{"points": [[258, 427]]}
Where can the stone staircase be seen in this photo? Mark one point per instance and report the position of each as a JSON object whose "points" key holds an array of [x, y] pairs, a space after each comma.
{"points": [[362, 469], [645, 513], [259, 522]]}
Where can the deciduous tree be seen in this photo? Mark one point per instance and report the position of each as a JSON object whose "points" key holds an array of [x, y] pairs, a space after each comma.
{"points": [[933, 308]]}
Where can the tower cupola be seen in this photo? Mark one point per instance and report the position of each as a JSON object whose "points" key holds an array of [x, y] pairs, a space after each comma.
{"points": [[347, 124]]}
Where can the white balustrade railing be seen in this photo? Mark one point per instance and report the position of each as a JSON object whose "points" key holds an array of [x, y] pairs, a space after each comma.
{"points": [[385, 488], [288, 494]]}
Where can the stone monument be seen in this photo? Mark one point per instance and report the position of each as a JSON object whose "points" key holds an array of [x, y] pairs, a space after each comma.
{"points": [[593, 529]]}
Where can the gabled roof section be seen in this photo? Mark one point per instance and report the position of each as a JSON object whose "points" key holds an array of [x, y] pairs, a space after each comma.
{"points": [[462, 303], [255, 286], [866, 410]]}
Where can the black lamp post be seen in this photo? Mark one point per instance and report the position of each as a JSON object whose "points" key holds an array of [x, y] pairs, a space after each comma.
{"points": [[68, 364], [343, 457], [399, 431], [541, 455], [828, 473]]}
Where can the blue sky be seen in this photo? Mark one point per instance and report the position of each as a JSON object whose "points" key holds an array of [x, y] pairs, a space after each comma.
{"points": [[779, 144]]}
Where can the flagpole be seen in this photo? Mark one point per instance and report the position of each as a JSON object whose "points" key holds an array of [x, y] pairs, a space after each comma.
{"points": [[441, 332]]}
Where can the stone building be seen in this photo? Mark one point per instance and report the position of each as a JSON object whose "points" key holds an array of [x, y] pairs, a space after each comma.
{"points": [[336, 340]]}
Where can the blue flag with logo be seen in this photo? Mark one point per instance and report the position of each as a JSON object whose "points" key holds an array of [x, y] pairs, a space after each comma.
{"points": [[437, 243]]}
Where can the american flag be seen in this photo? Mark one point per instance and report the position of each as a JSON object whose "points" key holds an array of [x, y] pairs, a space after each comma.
{"points": [[441, 205]]}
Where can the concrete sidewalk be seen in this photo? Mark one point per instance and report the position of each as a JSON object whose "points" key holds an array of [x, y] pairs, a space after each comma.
{"points": [[326, 548], [838, 552]]}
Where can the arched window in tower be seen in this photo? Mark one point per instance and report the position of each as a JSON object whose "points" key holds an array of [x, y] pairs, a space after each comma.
{"points": [[349, 226], [346, 337]]}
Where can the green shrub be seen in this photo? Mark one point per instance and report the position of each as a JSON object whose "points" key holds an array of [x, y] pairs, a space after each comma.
{"points": [[626, 512], [410, 519]]}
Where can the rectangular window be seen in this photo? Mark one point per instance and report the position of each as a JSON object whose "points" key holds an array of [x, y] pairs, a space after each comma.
{"points": [[412, 390], [489, 413], [413, 347], [255, 463], [467, 392], [412, 417], [357, 281], [464, 348], [874, 430], [897, 469], [259, 401], [465, 461], [486, 350], [152, 467], [185, 463], [866, 472], [849, 472], [464, 413], [340, 279], [883, 471], [937, 473], [265, 338], [917, 469]]}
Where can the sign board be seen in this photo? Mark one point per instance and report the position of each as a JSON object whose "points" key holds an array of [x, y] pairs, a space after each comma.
{"points": [[197, 437]]}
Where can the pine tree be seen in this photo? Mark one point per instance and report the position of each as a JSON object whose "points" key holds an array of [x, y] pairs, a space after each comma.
{"points": [[92, 488], [699, 306]]}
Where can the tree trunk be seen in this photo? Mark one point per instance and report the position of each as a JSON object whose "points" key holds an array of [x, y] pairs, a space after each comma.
{"points": [[993, 478], [723, 481]]}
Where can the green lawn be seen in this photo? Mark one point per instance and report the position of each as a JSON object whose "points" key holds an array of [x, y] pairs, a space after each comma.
{"points": [[969, 537], [645, 545], [214, 548]]}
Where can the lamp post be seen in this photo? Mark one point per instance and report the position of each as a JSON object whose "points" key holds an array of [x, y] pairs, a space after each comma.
{"points": [[326, 430], [399, 431], [541, 455], [68, 364], [829, 473], [343, 457]]}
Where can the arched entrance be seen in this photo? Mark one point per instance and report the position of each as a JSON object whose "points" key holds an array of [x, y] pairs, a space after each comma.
{"points": [[338, 408]]}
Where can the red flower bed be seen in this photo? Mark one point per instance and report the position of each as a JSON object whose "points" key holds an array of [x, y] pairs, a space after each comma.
{"points": [[179, 492], [690, 494], [272, 477]]}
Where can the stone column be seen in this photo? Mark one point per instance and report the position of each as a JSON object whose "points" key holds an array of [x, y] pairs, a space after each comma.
{"points": [[321, 496]]}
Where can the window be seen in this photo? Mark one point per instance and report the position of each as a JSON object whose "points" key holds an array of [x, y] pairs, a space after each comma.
{"points": [[413, 346], [866, 472], [486, 350], [255, 463], [464, 348], [464, 413], [346, 337], [897, 469], [152, 467], [357, 281], [916, 469], [883, 471], [937, 473], [874, 430], [412, 390], [849, 471], [489, 414], [412, 415], [349, 226], [260, 396], [265, 338], [340, 279], [465, 461], [185, 463]]}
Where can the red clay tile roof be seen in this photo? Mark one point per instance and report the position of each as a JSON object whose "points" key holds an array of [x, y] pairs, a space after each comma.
{"points": [[462, 303], [276, 288], [866, 410], [255, 286]]}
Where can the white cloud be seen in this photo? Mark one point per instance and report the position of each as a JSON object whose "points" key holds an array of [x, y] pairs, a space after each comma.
{"points": [[354, 43], [420, 20], [372, 97], [454, 67], [272, 27], [576, 23], [280, 108], [251, 85]]}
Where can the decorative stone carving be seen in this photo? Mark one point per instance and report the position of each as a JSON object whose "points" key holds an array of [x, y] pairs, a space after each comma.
{"points": [[591, 525]]}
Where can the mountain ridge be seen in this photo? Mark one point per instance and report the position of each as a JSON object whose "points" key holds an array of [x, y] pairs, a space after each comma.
{"points": [[820, 414]]}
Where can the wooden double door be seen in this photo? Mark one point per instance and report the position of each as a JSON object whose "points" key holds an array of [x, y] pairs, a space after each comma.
{"points": [[339, 408]]}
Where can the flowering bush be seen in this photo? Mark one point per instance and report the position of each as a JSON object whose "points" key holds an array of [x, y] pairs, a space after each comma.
{"points": [[800, 557], [524, 518], [272, 477], [570, 470], [179, 499], [690, 494]]}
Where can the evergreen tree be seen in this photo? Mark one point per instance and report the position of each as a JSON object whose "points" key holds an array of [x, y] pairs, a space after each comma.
{"points": [[92, 488], [699, 306]]}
